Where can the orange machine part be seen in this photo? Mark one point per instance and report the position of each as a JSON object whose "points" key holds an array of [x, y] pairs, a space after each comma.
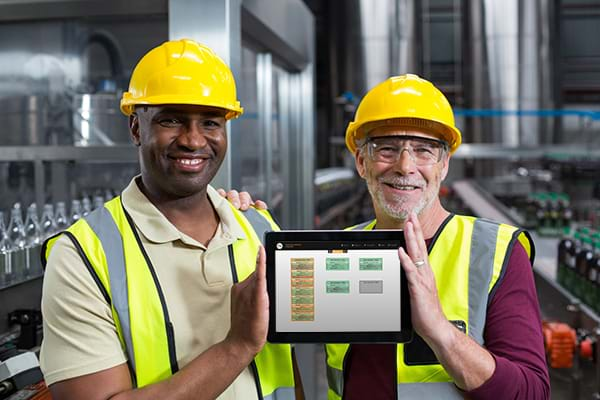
{"points": [[560, 342], [586, 349]]}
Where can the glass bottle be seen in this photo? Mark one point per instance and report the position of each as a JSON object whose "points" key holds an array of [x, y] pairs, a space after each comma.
{"points": [[33, 237], [48, 224], [592, 291], [60, 217], [564, 246], [570, 272], [108, 194], [86, 206], [567, 211], [596, 264], [554, 220], [16, 234], [75, 211], [6, 249], [541, 213], [583, 262], [98, 202]]}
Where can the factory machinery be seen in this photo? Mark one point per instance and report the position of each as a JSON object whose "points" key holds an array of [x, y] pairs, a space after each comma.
{"points": [[558, 201]]}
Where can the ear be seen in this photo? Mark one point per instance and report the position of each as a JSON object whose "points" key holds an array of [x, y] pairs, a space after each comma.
{"points": [[359, 160], [134, 128], [445, 165]]}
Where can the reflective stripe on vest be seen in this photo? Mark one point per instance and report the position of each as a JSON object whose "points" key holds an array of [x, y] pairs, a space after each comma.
{"points": [[483, 249], [258, 221], [429, 390], [478, 251], [282, 394], [432, 390], [107, 232], [417, 391], [335, 376], [110, 250]]}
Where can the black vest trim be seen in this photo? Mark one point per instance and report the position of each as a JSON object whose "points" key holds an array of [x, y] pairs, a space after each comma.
{"points": [[86, 262], [439, 232], [513, 241], [168, 325]]}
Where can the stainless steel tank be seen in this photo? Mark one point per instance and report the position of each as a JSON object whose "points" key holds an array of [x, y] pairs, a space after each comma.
{"points": [[97, 120], [23, 120], [510, 55]]}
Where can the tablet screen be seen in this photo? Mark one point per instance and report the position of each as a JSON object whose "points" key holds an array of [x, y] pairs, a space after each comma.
{"points": [[336, 286]]}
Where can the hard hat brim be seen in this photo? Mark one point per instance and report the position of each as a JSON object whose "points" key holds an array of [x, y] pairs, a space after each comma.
{"points": [[128, 103], [450, 134]]}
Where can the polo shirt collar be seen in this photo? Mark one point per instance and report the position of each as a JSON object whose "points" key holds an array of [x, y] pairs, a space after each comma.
{"points": [[157, 228]]}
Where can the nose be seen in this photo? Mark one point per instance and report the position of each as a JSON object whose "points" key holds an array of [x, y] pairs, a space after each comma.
{"points": [[192, 137], [406, 163]]}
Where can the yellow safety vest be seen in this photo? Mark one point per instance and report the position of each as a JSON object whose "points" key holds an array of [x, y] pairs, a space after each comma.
{"points": [[112, 251], [468, 255]]}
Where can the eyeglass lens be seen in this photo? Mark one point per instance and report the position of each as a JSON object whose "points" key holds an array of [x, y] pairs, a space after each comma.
{"points": [[389, 149]]}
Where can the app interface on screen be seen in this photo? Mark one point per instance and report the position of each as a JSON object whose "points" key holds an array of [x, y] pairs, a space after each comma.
{"points": [[337, 287]]}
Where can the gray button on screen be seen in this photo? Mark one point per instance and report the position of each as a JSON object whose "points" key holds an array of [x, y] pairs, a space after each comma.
{"points": [[370, 287]]}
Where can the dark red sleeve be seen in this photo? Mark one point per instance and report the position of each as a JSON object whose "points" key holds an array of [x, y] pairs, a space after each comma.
{"points": [[513, 334]]}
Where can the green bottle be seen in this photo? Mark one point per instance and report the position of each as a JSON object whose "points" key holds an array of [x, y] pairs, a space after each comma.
{"points": [[583, 262], [570, 270], [594, 280], [564, 246]]}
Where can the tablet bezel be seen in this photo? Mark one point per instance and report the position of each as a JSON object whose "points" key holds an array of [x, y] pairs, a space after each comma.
{"points": [[402, 336]]}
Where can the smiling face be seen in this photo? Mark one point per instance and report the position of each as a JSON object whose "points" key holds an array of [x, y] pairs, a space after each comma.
{"points": [[403, 186], [181, 148]]}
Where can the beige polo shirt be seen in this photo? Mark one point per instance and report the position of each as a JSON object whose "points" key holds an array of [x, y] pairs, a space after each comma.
{"points": [[79, 333]]}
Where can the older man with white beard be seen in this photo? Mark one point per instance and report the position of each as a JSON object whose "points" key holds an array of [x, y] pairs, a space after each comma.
{"points": [[474, 306]]}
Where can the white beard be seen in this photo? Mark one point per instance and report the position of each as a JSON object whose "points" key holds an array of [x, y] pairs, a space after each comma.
{"points": [[398, 208]]}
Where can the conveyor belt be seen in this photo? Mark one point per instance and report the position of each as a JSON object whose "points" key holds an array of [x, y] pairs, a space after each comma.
{"points": [[554, 299], [482, 203]]}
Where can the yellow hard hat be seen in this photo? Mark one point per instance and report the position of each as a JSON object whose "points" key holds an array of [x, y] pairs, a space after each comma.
{"points": [[407, 101], [182, 72]]}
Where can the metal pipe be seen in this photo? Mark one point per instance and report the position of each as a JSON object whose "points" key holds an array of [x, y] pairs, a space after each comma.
{"points": [[264, 82], [111, 45], [510, 52]]}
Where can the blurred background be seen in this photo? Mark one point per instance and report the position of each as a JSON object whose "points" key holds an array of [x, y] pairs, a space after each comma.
{"points": [[523, 78]]}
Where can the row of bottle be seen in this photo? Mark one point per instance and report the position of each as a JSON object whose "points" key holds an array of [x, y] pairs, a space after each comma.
{"points": [[20, 242], [550, 213], [578, 267]]}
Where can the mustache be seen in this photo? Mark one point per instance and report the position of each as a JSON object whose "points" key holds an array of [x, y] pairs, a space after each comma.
{"points": [[400, 181]]}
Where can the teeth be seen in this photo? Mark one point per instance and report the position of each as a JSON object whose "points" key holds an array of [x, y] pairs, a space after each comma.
{"points": [[404, 187], [188, 161]]}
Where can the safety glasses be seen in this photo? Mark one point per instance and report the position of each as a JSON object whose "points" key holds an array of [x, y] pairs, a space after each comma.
{"points": [[388, 149]]}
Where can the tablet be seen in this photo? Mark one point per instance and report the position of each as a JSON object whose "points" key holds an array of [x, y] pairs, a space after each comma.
{"points": [[337, 287]]}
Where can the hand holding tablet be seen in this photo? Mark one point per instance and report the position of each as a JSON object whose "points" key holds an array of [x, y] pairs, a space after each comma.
{"points": [[336, 287]]}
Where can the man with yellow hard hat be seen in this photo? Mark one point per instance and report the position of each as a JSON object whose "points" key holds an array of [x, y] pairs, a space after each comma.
{"points": [[474, 306], [160, 294]]}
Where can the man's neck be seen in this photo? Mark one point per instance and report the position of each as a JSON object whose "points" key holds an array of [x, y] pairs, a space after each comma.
{"points": [[430, 219], [193, 215]]}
